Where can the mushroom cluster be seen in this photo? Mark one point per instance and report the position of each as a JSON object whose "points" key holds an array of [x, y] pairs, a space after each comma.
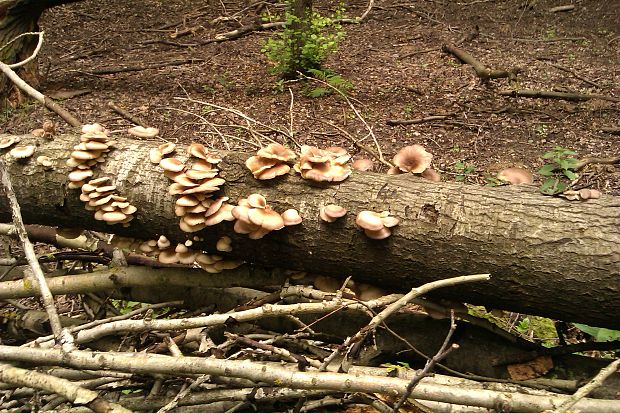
{"points": [[270, 161], [376, 225], [195, 181], [414, 159], [166, 253], [582, 194], [257, 219], [323, 165], [47, 131], [93, 148], [100, 195]]}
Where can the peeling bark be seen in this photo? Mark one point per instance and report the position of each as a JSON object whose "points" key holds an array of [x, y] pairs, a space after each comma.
{"points": [[547, 256]]}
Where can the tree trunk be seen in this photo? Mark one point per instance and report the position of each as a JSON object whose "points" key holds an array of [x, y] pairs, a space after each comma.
{"points": [[301, 11], [547, 256], [18, 17]]}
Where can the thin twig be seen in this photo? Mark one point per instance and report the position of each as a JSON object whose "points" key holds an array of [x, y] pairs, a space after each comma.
{"points": [[126, 114], [583, 391], [34, 53], [443, 351], [37, 273]]}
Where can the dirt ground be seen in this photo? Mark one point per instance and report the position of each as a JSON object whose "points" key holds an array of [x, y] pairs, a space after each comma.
{"points": [[393, 60]]}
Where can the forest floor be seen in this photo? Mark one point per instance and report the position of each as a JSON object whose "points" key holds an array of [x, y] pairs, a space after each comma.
{"points": [[129, 53]]}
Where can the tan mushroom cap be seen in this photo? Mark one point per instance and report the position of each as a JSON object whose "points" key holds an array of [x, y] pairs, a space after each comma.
{"points": [[172, 164], [331, 212], [380, 234], [431, 175], [267, 218], [155, 156], [113, 217], [22, 151], [363, 164], [586, 193], [413, 158], [38, 133], [276, 151], [166, 148], [291, 217], [7, 141], [257, 201], [258, 164], [168, 256], [80, 175], [44, 161], [224, 244], [92, 128], [142, 132], [516, 176], [369, 220]]}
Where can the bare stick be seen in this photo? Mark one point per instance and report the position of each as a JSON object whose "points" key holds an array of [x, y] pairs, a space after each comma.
{"points": [[597, 381], [63, 387], [37, 273], [139, 68], [397, 305], [444, 350], [126, 114], [33, 55], [483, 72], [575, 74], [558, 9], [394, 122], [611, 129], [545, 94], [362, 17]]}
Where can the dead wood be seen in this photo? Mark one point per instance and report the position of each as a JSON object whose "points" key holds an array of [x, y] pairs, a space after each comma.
{"points": [[394, 122], [126, 114], [548, 94], [543, 253], [483, 72], [575, 74], [138, 68], [612, 130]]}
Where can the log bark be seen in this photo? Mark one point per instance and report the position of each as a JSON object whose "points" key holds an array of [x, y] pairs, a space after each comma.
{"points": [[547, 256]]}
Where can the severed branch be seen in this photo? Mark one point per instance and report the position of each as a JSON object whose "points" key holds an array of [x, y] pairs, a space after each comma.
{"points": [[546, 94], [126, 114], [575, 74], [37, 274], [611, 129], [394, 122], [63, 387], [140, 67], [483, 72], [143, 363], [597, 381]]}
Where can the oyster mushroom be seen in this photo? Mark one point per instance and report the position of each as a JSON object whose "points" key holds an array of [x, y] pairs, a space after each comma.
{"points": [[22, 151], [413, 159], [516, 176]]}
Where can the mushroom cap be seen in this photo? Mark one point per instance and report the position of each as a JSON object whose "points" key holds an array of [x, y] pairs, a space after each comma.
{"points": [[187, 201], [390, 222], [224, 244], [7, 141], [516, 176], [222, 214], [257, 201], [394, 170], [81, 155], [273, 172], [155, 155], [413, 158], [80, 175], [163, 242], [276, 151], [369, 220], [172, 164], [586, 193], [211, 185], [258, 164], [267, 218], [38, 133], [431, 175], [22, 151], [379, 234], [92, 128], [199, 175], [113, 217], [168, 256], [363, 164], [291, 217], [166, 148], [142, 132], [44, 161], [331, 212]]}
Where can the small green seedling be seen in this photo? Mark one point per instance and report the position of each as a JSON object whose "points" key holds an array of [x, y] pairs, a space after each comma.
{"points": [[463, 169], [560, 168]]}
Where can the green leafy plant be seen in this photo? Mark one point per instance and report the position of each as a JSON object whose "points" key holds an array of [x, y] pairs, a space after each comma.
{"points": [[400, 365], [559, 170], [304, 45], [333, 79], [463, 169], [599, 333]]}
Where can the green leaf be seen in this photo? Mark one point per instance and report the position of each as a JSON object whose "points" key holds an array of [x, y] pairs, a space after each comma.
{"points": [[547, 170], [549, 187], [599, 333], [570, 175]]}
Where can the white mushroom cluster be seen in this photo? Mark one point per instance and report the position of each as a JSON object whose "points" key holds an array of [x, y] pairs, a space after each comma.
{"points": [[195, 181], [376, 225], [100, 195], [323, 165], [93, 148], [414, 159], [166, 253], [270, 161], [257, 219], [330, 213], [582, 195]]}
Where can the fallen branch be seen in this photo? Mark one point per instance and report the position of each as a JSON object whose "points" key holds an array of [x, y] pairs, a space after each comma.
{"points": [[544, 94], [38, 277], [138, 68], [394, 122], [582, 163], [483, 72], [558, 9], [612, 130], [287, 377], [575, 74], [127, 115], [63, 387]]}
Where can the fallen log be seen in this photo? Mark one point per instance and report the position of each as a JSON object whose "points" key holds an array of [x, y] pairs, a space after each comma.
{"points": [[547, 256]]}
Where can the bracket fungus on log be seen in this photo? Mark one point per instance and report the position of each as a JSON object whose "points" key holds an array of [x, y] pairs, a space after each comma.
{"points": [[376, 225], [323, 165], [270, 161]]}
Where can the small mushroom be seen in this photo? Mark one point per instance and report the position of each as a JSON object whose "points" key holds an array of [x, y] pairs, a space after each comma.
{"points": [[331, 212], [22, 151], [7, 141], [363, 164], [291, 217], [38, 133], [224, 244], [431, 175], [516, 176], [45, 162], [369, 220], [142, 132], [413, 159], [172, 164]]}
